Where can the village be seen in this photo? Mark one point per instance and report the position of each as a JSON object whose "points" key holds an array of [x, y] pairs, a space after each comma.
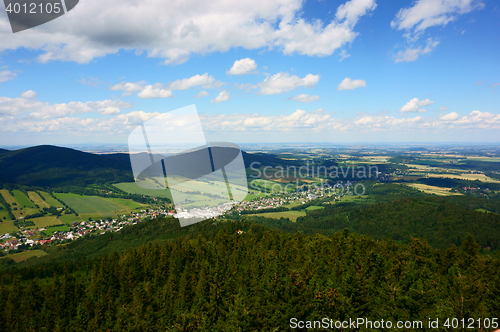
{"points": [[29, 238]]}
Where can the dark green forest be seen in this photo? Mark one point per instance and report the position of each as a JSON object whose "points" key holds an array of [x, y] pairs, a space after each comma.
{"points": [[255, 281], [157, 276]]}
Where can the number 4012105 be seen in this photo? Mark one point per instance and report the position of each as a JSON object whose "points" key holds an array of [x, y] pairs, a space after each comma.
{"points": [[33, 8]]}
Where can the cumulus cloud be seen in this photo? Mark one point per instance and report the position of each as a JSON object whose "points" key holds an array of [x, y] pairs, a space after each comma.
{"points": [[412, 54], [449, 117], [173, 30], [128, 87], [6, 75], [223, 96], [109, 110], [304, 98], [428, 13], [283, 82], [28, 94], [205, 81], [201, 94], [348, 84], [415, 106], [154, 91], [243, 66], [29, 107]]}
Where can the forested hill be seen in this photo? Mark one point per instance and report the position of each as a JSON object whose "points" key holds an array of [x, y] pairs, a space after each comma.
{"points": [[51, 166], [435, 219], [256, 281]]}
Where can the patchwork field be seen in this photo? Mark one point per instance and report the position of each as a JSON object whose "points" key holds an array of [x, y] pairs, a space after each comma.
{"points": [[20, 205], [440, 191], [51, 200], [480, 177], [22, 200], [35, 198]]}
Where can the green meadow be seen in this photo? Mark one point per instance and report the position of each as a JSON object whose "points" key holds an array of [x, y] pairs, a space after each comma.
{"points": [[51, 200]]}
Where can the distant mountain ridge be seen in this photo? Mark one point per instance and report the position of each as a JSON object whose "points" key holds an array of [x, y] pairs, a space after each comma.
{"points": [[53, 166], [48, 166]]}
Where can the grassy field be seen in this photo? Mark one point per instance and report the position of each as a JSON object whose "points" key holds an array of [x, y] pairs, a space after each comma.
{"points": [[491, 159], [132, 188], [91, 204], [51, 200], [50, 231], [292, 215], [22, 200], [440, 191], [314, 207], [46, 221], [8, 197], [69, 218], [126, 202], [22, 256], [480, 177], [8, 227], [35, 198], [4, 213], [17, 202]]}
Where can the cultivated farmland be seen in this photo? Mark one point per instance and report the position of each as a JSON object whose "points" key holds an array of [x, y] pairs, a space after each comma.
{"points": [[37, 199], [96, 207], [51, 200]]}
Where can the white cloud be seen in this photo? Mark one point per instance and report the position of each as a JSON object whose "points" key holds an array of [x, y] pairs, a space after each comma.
{"points": [[243, 66], [173, 30], [412, 54], [348, 84], [283, 82], [205, 81], [415, 106], [354, 9], [304, 98], [428, 13], [31, 108], [343, 55], [442, 108], [28, 94], [449, 117], [127, 87], [109, 110], [223, 96], [6, 75], [154, 91], [201, 94], [424, 14]]}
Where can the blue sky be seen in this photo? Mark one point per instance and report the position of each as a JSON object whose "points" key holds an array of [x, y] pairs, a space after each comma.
{"points": [[262, 71]]}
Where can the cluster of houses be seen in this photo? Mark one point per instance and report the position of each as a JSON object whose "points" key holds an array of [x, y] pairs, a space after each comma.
{"points": [[78, 229]]}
